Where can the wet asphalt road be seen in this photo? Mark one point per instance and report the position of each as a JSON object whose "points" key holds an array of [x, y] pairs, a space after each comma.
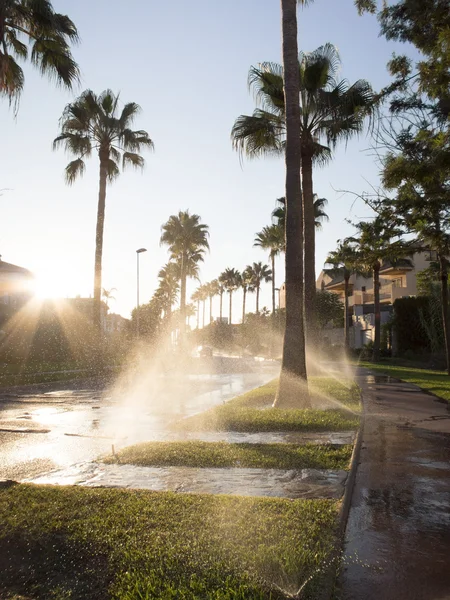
{"points": [[53, 426], [398, 533]]}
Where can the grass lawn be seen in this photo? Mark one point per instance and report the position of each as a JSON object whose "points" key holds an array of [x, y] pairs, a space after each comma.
{"points": [[221, 454], [252, 411], [93, 544], [436, 382]]}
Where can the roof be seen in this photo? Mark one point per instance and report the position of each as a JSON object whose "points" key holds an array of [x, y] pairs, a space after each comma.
{"points": [[400, 263], [10, 268]]}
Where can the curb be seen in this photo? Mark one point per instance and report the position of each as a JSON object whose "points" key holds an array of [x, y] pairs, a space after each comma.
{"points": [[330, 578]]}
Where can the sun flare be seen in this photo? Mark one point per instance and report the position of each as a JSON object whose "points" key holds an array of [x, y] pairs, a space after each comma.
{"points": [[47, 289]]}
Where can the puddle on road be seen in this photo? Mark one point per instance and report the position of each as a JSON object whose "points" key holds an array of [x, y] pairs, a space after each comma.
{"points": [[302, 483]]}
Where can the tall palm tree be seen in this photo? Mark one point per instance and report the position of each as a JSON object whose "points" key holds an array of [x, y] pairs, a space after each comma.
{"points": [[261, 274], [204, 294], [187, 239], [190, 312], [231, 280], [331, 111], [272, 239], [213, 290], [169, 277], [378, 241], [94, 123], [320, 216], [196, 298], [220, 294], [247, 285], [47, 32], [344, 262]]}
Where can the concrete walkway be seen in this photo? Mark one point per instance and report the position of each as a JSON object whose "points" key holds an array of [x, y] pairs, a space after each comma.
{"points": [[398, 533]]}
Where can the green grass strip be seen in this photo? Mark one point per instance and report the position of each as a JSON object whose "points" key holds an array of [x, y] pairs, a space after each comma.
{"points": [[222, 454], [436, 382], [252, 411], [69, 543]]}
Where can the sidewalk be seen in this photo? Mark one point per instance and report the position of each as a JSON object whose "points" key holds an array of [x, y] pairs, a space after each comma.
{"points": [[397, 543]]}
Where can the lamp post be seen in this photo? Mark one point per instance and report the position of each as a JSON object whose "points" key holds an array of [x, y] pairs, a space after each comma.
{"points": [[138, 252]]}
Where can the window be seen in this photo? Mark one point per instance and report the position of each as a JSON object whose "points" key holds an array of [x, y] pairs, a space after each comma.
{"points": [[363, 288], [431, 256]]}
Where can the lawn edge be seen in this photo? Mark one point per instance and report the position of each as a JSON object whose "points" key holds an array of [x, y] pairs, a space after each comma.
{"points": [[374, 371], [331, 576]]}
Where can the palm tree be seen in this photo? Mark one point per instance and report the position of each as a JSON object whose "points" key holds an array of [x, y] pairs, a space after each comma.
{"points": [[378, 241], [331, 111], [320, 216], [47, 32], [190, 312], [213, 290], [261, 274], [187, 239], [231, 280], [220, 293], [93, 123], [196, 297], [169, 277], [271, 238], [247, 282], [108, 295], [344, 263], [204, 294]]}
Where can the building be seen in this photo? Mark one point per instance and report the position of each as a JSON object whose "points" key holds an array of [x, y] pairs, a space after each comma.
{"points": [[397, 280], [16, 289], [85, 306], [115, 323]]}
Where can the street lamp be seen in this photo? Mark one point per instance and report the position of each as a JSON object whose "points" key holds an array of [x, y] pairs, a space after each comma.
{"points": [[138, 252]]}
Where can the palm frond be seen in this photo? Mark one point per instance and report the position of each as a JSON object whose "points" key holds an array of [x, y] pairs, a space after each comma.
{"points": [[112, 170], [75, 169], [133, 160], [12, 77], [20, 49], [54, 59], [259, 134], [128, 114]]}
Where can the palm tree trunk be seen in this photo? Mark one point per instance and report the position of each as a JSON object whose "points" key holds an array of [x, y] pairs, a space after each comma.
{"points": [[183, 296], [97, 309], [376, 299], [309, 248], [243, 304], [257, 300], [198, 314], [292, 388], [203, 318], [346, 340], [273, 288], [231, 306], [444, 300], [210, 309], [220, 311]]}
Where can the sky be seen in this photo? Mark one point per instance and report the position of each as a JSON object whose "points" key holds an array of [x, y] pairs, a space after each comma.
{"points": [[186, 64]]}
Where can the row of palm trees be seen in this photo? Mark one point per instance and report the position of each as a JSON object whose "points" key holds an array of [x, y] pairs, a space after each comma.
{"points": [[231, 280]]}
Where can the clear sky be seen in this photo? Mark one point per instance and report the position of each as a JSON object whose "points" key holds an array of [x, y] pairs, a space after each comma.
{"points": [[186, 64]]}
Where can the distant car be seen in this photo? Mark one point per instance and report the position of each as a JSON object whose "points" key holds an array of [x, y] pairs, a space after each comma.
{"points": [[206, 352]]}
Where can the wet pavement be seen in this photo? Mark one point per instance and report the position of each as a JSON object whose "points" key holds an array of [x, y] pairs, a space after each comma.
{"points": [[398, 534], [53, 426], [301, 483]]}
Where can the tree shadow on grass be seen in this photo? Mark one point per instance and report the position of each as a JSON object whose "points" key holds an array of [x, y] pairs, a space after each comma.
{"points": [[52, 566]]}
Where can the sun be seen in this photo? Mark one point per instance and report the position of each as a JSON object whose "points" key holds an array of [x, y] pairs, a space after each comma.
{"points": [[47, 289]]}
